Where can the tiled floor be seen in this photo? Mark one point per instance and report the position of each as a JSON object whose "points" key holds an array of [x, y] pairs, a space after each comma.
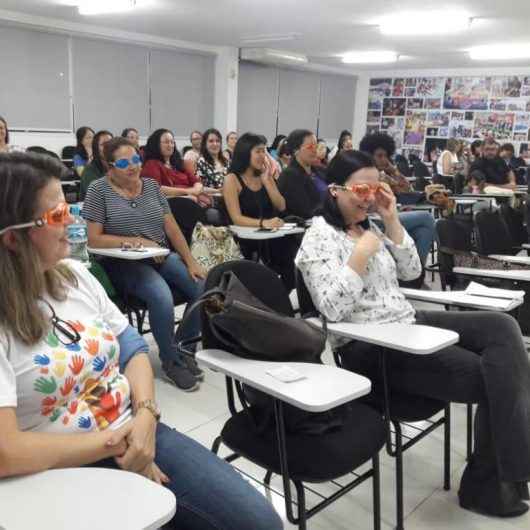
{"points": [[427, 506]]}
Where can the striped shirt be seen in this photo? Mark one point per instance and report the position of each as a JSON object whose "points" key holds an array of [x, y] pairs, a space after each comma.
{"points": [[142, 216]]}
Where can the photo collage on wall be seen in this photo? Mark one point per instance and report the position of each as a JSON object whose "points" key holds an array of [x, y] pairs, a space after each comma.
{"points": [[422, 113]]}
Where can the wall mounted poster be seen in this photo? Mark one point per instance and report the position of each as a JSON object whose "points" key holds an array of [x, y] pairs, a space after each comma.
{"points": [[423, 112]]}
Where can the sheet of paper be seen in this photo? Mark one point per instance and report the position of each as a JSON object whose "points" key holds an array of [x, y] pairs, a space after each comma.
{"points": [[478, 289]]}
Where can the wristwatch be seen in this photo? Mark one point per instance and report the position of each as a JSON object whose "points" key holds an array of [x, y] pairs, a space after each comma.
{"points": [[151, 406]]}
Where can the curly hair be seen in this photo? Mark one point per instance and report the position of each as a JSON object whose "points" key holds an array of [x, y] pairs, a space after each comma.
{"points": [[374, 141]]}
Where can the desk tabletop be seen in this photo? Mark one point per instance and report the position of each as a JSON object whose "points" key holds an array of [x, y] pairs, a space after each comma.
{"points": [[249, 232], [81, 498], [462, 299], [129, 254], [410, 338], [323, 387], [521, 275], [520, 260]]}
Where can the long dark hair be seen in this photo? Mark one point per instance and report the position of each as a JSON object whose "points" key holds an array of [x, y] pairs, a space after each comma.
{"points": [[276, 142], [80, 148], [96, 157], [342, 138], [204, 150], [7, 129], [339, 170], [242, 152], [152, 150]]}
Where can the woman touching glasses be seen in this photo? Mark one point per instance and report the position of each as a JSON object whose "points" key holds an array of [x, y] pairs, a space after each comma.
{"points": [[124, 209], [76, 385]]}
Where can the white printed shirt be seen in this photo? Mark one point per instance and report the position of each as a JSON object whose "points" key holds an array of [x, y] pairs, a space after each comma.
{"points": [[342, 295]]}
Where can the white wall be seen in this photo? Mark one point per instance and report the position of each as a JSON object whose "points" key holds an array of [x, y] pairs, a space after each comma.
{"points": [[361, 96]]}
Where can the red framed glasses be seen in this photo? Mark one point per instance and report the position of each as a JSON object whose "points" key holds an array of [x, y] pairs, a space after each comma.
{"points": [[364, 191], [56, 216]]}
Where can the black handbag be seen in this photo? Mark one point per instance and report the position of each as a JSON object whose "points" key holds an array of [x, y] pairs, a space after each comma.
{"points": [[246, 327]]}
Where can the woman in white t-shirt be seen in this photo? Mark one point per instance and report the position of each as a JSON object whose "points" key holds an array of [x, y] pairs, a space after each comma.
{"points": [[76, 385], [448, 161]]}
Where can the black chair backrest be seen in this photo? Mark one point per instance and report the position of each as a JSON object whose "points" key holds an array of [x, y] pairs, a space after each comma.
{"points": [[187, 213], [514, 220], [37, 149], [403, 165], [493, 236], [419, 169], [261, 281], [68, 152], [305, 302]]}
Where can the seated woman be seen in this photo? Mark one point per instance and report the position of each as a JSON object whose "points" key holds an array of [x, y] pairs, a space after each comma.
{"points": [[125, 209], [231, 140], [83, 150], [133, 136], [345, 143], [98, 167], [76, 384], [212, 165], [5, 146], [163, 163], [283, 155], [297, 182], [351, 269], [252, 198], [420, 225]]}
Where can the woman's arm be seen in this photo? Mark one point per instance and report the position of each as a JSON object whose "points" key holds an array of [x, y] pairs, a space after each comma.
{"points": [[272, 190], [22, 453], [169, 191], [447, 164], [98, 239]]}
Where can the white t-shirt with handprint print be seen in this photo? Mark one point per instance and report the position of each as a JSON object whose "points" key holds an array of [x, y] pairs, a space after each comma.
{"points": [[74, 387]]}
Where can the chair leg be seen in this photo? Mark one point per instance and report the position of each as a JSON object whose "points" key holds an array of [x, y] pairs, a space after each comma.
{"points": [[469, 431], [399, 477], [216, 445], [376, 486], [267, 479], [300, 494], [447, 448]]}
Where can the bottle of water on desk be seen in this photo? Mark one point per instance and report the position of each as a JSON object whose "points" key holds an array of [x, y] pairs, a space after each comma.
{"points": [[77, 235]]}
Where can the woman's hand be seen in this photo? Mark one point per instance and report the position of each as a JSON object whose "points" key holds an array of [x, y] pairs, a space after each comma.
{"points": [[154, 473], [385, 202], [196, 271], [267, 172], [273, 223], [141, 443], [368, 244]]}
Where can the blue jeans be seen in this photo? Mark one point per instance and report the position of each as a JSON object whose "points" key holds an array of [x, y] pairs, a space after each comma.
{"points": [[153, 283], [421, 227], [211, 495]]}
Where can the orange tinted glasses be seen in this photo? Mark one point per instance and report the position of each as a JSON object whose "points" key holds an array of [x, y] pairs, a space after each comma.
{"points": [[56, 216], [364, 191]]}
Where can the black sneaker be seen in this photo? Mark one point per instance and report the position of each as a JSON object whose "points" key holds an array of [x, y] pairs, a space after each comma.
{"points": [[179, 376], [193, 367]]}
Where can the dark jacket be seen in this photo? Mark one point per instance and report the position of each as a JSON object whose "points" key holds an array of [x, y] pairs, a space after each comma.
{"points": [[495, 171], [299, 191], [93, 171]]}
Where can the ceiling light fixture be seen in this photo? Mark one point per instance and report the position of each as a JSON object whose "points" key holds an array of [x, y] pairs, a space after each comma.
{"points": [[100, 7], [267, 55], [369, 57], [424, 23], [270, 38], [498, 52]]}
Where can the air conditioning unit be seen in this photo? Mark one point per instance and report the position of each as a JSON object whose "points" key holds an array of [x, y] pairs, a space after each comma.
{"points": [[270, 56]]}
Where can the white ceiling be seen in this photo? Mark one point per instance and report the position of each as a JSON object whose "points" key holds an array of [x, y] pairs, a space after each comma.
{"points": [[326, 28]]}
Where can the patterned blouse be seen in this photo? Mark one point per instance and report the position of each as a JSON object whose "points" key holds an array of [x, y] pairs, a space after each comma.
{"points": [[211, 176], [341, 294]]}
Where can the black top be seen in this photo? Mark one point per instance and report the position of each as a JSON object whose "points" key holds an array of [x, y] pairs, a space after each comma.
{"points": [[494, 171], [299, 191], [255, 204]]}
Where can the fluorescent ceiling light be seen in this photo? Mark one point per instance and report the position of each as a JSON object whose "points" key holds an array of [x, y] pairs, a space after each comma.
{"points": [[369, 57], [270, 38], [499, 52], [99, 7], [424, 22]]}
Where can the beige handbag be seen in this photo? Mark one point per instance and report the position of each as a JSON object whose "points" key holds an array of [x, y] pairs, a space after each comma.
{"points": [[212, 245]]}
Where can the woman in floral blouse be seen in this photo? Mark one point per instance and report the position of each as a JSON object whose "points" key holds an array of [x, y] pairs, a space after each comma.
{"points": [[212, 165], [351, 269]]}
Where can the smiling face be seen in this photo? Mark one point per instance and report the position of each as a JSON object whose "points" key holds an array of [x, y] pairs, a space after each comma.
{"points": [[196, 139], [50, 241], [134, 138], [167, 145], [132, 172], [87, 140], [257, 158], [354, 208], [213, 145], [231, 141], [307, 154]]}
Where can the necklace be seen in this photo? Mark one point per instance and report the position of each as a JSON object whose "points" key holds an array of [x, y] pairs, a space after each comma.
{"points": [[128, 194]]}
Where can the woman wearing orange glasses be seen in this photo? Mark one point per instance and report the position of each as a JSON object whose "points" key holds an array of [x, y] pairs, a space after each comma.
{"points": [[124, 208], [76, 384], [351, 269]]}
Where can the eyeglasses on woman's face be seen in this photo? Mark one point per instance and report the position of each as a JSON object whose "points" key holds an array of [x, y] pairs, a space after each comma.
{"points": [[57, 216], [124, 163]]}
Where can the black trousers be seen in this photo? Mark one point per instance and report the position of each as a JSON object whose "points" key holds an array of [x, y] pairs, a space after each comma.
{"points": [[489, 366]]}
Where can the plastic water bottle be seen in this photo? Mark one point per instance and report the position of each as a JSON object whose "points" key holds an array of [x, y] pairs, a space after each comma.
{"points": [[77, 235]]}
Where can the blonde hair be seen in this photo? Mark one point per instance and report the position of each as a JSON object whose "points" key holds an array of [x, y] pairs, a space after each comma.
{"points": [[453, 144], [23, 177]]}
